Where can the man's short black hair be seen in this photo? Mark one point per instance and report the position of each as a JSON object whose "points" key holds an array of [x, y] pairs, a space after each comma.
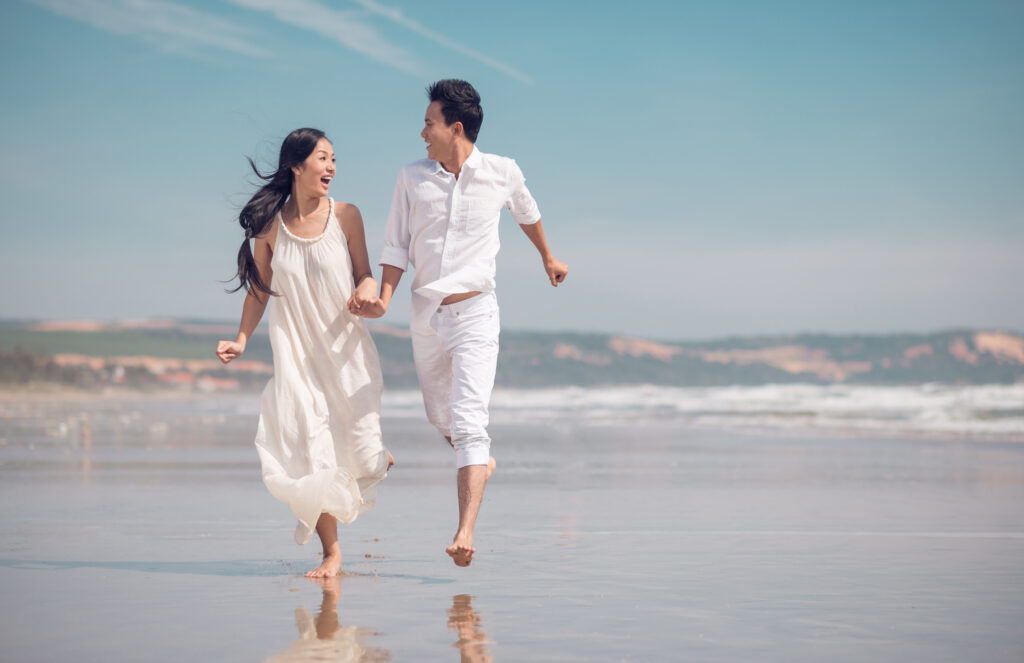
{"points": [[459, 103]]}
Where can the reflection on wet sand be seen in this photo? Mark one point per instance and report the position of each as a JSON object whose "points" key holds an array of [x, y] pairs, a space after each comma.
{"points": [[472, 642], [324, 638], [85, 441]]}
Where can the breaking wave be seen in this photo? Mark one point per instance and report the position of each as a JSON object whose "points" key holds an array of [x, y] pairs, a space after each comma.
{"points": [[995, 411]]}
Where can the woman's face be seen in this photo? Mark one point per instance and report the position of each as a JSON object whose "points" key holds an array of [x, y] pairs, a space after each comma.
{"points": [[313, 176]]}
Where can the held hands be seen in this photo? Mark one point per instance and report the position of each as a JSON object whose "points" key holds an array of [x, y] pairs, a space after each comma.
{"points": [[556, 270], [228, 350], [364, 302]]}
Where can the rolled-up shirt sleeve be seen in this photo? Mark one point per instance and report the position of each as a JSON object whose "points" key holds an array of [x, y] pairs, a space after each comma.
{"points": [[397, 237], [520, 202]]}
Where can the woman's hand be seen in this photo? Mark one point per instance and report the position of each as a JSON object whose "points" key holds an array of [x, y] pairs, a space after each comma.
{"points": [[364, 302], [228, 350], [372, 309]]}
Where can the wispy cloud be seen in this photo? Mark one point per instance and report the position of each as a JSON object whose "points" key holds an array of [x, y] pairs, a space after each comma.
{"points": [[343, 27], [167, 25], [178, 28], [398, 17]]}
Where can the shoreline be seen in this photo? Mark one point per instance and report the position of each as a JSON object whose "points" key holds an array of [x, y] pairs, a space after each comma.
{"points": [[852, 551], [925, 413]]}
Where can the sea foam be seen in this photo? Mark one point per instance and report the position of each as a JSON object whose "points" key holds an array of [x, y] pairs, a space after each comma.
{"points": [[929, 409]]}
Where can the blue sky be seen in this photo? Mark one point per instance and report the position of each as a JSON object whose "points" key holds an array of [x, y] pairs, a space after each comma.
{"points": [[705, 168]]}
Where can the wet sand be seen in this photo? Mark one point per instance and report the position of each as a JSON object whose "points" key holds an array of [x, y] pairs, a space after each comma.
{"points": [[141, 532]]}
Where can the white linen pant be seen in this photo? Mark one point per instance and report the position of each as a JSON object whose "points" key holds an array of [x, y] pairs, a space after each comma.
{"points": [[456, 365]]}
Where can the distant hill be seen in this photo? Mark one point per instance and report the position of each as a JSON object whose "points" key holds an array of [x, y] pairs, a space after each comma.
{"points": [[172, 353]]}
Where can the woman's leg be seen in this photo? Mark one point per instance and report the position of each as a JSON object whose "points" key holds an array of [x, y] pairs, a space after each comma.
{"points": [[327, 529]]}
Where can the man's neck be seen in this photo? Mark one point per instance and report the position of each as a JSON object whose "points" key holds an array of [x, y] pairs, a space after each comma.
{"points": [[463, 149]]}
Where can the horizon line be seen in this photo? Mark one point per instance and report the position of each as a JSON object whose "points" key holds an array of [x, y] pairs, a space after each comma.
{"points": [[139, 323]]}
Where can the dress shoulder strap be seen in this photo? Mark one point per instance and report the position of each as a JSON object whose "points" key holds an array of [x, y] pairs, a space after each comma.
{"points": [[332, 220], [277, 231]]}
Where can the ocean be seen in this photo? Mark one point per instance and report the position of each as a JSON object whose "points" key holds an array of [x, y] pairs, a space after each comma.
{"points": [[777, 523]]}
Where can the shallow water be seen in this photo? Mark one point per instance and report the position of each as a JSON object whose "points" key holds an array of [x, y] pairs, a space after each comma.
{"points": [[138, 530]]}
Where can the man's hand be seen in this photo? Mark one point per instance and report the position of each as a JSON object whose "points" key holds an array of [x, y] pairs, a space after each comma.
{"points": [[556, 270], [228, 350]]}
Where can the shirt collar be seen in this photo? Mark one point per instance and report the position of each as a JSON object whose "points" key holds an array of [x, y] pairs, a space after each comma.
{"points": [[472, 162]]}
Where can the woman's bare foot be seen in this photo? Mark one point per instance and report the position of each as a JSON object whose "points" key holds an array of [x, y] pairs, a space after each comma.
{"points": [[327, 529], [330, 567]]}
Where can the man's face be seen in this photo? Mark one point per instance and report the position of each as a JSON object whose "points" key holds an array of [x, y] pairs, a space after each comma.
{"points": [[439, 136]]}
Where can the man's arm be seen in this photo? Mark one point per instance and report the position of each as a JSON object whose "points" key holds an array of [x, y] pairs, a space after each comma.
{"points": [[524, 209], [555, 268], [395, 255], [390, 276]]}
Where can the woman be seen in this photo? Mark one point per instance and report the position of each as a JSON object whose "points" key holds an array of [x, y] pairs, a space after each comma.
{"points": [[318, 436]]}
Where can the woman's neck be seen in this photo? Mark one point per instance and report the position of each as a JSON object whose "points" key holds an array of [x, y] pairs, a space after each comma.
{"points": [[304, 205]]}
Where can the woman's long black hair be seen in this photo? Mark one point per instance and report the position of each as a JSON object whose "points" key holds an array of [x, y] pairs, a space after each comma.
{"points": [[257, 215]]}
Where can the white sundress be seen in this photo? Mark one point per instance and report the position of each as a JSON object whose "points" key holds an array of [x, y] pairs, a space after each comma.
{"points": [[318, 436]]}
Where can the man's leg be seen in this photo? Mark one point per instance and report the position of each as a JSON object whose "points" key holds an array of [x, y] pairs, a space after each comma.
{"points": [[471, 481], [471, 338], [434, 372]]}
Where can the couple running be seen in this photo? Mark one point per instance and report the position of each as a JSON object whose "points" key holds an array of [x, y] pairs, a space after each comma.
{"points": [[318, 436]]}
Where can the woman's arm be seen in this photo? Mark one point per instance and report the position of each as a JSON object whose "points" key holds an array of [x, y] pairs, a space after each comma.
{"points": [[364, 301], [254, 306], [352, 224]]}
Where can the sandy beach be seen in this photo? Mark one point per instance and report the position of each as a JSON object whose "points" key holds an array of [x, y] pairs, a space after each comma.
{"points": [[138, 530]]}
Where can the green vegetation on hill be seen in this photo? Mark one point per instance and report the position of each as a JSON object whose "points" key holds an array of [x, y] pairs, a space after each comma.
{"points": [[169, 343], [542, 359]]}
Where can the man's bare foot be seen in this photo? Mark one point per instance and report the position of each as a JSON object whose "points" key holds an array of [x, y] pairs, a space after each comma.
{"points": [[330, 567], [470, 494], [461, 550]]}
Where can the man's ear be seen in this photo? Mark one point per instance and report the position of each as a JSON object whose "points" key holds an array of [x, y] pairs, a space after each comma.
{"points": [[458, 129]]}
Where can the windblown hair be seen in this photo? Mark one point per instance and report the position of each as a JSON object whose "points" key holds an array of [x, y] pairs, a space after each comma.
{"points": [[257, 215], [459, 103]]}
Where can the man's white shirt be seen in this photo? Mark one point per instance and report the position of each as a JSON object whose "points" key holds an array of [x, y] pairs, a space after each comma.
{"points": [[447, 228]]}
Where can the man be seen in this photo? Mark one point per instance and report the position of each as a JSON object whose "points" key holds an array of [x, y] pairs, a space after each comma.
{"points": [[444, 221]]}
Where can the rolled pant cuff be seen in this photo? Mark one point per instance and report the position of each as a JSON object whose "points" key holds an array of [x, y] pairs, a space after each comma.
{"points": [[478, 454]]}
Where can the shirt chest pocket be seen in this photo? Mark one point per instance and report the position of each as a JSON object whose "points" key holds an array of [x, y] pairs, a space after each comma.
{"points": [[429, 199], [430, 217], [482, 207], [431, 208]]}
